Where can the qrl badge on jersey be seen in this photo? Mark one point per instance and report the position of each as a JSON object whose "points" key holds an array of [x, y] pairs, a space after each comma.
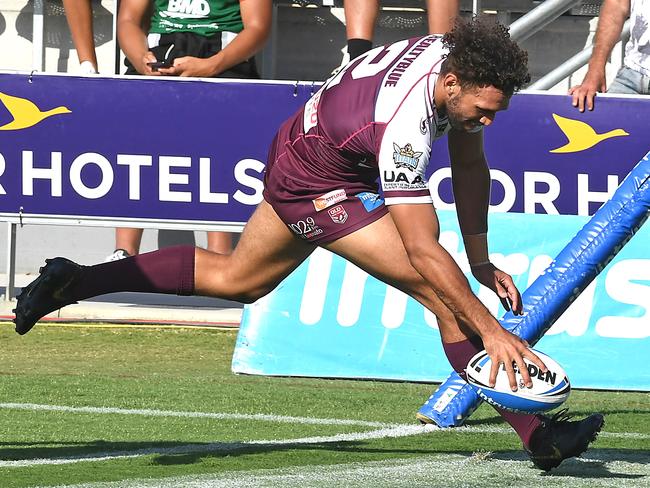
{"points": [[338, 214]]}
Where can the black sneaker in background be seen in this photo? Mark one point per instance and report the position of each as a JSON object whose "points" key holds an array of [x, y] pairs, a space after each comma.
{"points": [[559, 438], [117, 255]]}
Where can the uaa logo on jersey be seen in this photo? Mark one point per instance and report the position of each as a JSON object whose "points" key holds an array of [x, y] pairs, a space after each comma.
{"points": [[406, 157]]}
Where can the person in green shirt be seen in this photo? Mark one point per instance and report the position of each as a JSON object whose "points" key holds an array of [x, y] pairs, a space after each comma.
{"points": [[203, 38]]}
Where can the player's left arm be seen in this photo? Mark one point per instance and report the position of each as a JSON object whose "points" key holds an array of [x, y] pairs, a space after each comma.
{"points": [[256, 17], [471, 184]]}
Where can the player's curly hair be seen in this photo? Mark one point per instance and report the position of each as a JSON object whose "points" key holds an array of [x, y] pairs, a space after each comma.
{"points": [[481, 53]]}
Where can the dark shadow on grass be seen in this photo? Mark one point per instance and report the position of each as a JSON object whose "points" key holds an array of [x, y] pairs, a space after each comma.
{"points": [[242, 449], [21, 451], [180, 453], [592, 467], [183, 453]]}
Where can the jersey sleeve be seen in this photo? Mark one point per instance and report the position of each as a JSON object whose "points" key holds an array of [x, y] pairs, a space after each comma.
{"points": [[404, 153]]}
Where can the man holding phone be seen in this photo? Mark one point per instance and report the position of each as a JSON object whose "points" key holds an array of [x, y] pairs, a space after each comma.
{"points": [[167, 62], [210, 38], [217, 38]]}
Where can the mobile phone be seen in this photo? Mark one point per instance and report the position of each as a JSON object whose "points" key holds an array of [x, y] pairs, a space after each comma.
{"points": [[156, 65]]}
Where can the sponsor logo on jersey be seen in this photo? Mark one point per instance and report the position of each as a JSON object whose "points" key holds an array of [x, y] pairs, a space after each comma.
{"points": [[338, 214], [329, 199], [399, 179], [370, 200], [406, 157], [306, 228], [425, 122], [363, 163]]}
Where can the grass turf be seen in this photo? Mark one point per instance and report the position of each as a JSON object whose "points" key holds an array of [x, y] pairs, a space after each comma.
{"points": [[189, 370]]}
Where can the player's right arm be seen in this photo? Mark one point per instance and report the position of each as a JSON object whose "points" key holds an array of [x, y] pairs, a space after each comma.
{"points": [[610, 24], [132, 38], [417, 225]]}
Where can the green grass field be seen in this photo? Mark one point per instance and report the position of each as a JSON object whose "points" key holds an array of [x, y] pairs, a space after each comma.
{"points": [[124, 407]]}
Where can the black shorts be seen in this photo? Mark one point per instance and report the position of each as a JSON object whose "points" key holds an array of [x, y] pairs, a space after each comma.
{"points": [[191, 44]]}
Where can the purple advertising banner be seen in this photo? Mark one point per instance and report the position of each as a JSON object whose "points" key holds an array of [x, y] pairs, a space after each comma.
{"points": [[548, 158], [194, 151], [138, 148]]}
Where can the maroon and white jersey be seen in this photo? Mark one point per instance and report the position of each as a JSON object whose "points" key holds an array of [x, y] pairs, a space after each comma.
{"points": [[376, 117]]}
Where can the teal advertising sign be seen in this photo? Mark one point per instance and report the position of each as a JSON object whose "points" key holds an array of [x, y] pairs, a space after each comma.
{"points": [[330, 319]]}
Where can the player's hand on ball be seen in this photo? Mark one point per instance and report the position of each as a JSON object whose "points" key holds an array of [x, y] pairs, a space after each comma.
{"points": [[500, 283], [506, 349]]}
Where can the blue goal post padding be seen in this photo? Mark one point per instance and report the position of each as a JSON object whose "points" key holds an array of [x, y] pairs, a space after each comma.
{"points": [[581, 260]]}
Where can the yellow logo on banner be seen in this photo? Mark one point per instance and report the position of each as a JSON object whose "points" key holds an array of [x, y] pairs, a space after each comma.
{"points": [[25, 113], [581, 135]]}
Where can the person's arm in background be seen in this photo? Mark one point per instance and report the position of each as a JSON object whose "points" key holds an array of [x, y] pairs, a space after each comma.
{"points": [[256, 17], [132, 37], [610, 24], [79, 14], [441, 15], [471, 183]]}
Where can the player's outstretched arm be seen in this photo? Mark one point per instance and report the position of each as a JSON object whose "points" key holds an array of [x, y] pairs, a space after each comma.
{"points": [[417, 225]]}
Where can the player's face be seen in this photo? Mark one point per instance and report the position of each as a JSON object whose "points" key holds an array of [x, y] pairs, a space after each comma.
{"points": [[472, 108]]}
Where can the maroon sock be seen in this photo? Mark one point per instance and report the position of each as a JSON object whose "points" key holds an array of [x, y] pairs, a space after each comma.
{"points": [[459, 354], [169, 270]]}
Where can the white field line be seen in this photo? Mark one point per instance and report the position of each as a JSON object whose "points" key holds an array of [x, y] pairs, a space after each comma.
{"points": [[171, 413], [385, 430], [486, 429]]}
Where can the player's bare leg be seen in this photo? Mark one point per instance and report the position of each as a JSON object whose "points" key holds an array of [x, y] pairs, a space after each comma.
{"points": [[378, 249], [267, 252]]}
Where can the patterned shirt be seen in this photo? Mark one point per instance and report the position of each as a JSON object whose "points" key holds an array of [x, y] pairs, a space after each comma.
{"points": [[637, 49]]}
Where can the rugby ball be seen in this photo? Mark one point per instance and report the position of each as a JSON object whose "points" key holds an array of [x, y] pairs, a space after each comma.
{"points": [[549, 389]]}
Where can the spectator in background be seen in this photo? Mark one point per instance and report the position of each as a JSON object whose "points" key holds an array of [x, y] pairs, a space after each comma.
{"points": [[634, 76], [211, 38], [361, 17], [79, 14]]}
